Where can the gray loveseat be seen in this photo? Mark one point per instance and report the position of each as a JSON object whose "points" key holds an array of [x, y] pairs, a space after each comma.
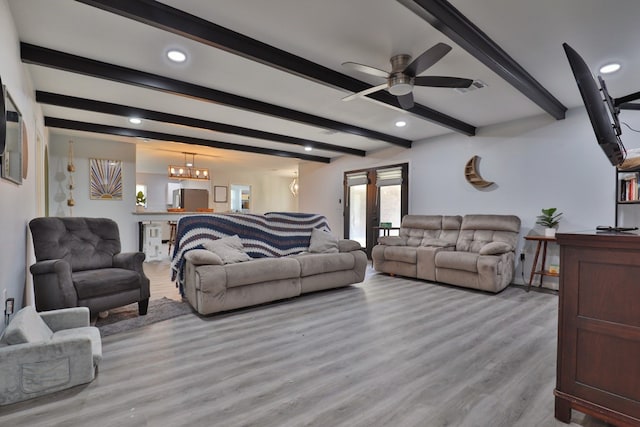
{"points": [[278, 255], [474, 251]]}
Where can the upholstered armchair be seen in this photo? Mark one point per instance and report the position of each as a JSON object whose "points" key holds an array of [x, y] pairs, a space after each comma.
{"points": [[41, 353], [79, 263]]}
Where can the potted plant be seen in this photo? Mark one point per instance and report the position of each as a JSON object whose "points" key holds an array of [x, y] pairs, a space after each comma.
{"points": [[140, 201], [550, 220]]}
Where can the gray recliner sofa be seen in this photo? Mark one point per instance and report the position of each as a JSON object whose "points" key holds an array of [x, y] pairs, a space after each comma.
{"points": [[284, 257], [474, 251]]}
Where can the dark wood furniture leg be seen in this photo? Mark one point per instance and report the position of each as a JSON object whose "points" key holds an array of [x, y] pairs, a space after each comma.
{"points": [[535, 263], [562, 410], [143, 306]]}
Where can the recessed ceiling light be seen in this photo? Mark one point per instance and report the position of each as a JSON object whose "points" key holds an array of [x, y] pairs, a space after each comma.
{"points": [[135, 121], [401, 123], [307, 148], [176, 55], [610, 68]]}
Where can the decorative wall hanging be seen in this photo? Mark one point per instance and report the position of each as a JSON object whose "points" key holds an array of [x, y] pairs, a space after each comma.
{"points": [[220, 194], [105, 179], [71, 169], [473, 176]]}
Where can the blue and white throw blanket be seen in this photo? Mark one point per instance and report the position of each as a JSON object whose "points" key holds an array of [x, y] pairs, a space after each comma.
{"points": [[273, 234]]}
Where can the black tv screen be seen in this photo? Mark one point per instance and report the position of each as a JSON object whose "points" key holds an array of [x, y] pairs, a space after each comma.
{"points": [[594, 103]]}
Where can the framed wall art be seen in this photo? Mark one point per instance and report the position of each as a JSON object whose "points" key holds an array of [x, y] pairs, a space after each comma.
{"points": [[105, 179], [220, 194]]}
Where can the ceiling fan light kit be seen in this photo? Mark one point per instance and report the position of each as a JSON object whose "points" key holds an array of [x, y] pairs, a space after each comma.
{"points": [[402, 78]]}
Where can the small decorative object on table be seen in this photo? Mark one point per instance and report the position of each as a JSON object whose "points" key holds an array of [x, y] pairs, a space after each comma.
{"points": [[549, 219], [385, 225], [141, 201]]}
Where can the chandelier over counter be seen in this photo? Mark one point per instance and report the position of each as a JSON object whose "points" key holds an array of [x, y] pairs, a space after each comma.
{"points": [[188, 170]]}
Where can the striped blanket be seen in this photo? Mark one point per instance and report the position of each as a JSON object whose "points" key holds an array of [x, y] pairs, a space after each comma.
{"points": [[273, 234]]}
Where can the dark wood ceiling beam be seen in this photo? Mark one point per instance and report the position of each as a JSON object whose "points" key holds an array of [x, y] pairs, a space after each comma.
{"points": [[127, 111], [159, 136], [452, 23], [38, 55], [178, 22]]}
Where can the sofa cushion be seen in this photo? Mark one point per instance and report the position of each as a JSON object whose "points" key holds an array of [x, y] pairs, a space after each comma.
{"points": [[466, 261], [27, 327], [311, 264], [203, 257], [401, 253], [437, 242], [261, 270], [322, 242], [495, 248], [229, 249], [392, 240], [104, 281]]}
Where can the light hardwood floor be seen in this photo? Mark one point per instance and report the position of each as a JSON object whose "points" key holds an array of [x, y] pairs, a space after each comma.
{"points": [[387, 352]]}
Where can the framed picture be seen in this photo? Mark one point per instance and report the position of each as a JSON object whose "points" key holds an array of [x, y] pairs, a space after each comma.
{"points": [[219, 194], [105, 178]]}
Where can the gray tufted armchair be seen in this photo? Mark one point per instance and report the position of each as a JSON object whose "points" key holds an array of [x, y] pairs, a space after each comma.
{"points": [[79, 263]]}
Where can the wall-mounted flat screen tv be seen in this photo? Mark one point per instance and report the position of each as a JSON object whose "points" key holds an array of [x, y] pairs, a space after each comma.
{"points": [[600, 108]]}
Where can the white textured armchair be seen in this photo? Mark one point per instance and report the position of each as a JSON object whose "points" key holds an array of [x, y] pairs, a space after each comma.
{"points": [[41, 353]]}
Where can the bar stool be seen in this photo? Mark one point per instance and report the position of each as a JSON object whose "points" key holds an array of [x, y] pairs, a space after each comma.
{"points": [[172, 235]]}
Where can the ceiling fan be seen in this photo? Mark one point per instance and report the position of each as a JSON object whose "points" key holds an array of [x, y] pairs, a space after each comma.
{"points": [[404, 75]]}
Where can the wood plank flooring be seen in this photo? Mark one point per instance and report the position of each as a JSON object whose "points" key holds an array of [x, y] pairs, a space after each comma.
{"points": [[388, 352]]}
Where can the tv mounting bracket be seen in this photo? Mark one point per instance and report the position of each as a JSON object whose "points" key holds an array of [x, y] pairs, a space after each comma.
{"points": [[624, 103]]}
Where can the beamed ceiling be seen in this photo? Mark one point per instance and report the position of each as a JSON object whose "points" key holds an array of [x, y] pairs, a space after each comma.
{"points": [[265, 78]]}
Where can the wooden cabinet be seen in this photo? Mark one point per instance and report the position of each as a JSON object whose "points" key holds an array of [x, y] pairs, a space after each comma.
{"points": [[598, 365]]}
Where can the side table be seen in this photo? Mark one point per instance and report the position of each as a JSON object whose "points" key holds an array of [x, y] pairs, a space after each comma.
{"points": [[542, 242], [385, 230]]}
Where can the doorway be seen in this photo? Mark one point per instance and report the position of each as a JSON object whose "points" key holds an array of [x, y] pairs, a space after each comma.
{"points": [[375, 197], [240, 198]]}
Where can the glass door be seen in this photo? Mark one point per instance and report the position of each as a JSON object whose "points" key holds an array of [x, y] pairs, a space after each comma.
{"points": [[375, 199]]}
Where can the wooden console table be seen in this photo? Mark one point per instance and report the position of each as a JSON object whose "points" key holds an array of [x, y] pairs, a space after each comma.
{"points": [[599, 327], [542, 242]]}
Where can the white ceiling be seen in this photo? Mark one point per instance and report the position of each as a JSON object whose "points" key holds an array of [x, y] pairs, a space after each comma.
{"points": [[327, 32]]}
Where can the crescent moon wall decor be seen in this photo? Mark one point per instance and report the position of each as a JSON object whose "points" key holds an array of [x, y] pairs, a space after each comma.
{"points": [[473, 176]]}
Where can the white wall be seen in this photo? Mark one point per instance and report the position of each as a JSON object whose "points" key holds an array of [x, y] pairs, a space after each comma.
{"points": [[84, 149], [17, 202], [535, 163]]}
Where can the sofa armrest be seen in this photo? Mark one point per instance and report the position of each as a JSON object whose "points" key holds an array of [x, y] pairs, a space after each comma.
{"points": [[133, 261], [203, 257], [129, 260], [66, 318], [392, 241], [53, 277], [347, 245], [496, 248]]}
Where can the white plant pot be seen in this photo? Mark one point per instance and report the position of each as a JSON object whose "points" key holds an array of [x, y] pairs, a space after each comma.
{"points": [[140, 208], [550, 232]]}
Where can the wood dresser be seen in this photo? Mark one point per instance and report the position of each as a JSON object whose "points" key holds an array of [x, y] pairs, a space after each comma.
{"points": [[598, 365]]}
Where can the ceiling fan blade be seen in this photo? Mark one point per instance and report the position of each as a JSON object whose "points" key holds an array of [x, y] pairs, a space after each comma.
{"points": [[365, 92], [438, 81], [365, 69], [427, 59], [406, 101]]}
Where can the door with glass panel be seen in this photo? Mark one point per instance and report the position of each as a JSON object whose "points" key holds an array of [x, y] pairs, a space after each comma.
{"points": [[376, 199]]}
